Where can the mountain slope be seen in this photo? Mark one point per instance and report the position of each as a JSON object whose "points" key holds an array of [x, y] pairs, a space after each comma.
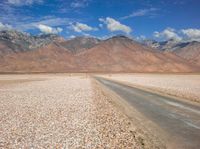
{"points": [[120, 54], [4, 48], [169, 45], [191, 52], [117, 54], [50, 58], [14, 41], [78, 44]]}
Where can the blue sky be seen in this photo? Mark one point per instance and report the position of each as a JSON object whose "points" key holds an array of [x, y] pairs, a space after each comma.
{"points": [[159, 19]]}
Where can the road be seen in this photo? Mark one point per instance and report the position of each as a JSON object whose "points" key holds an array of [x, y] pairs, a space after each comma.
{"points": [[180, 120]]}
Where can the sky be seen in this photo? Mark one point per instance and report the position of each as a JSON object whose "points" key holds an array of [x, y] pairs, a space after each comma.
{"points": [[139, 19]]}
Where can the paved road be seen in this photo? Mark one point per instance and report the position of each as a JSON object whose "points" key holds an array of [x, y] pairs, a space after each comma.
{"points": [[179, 119]]}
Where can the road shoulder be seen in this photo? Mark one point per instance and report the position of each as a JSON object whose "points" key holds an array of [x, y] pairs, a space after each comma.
{"points": [[147, 135]]}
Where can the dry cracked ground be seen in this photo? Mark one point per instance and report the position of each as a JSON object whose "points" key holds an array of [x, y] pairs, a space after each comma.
{"points": [[62, 111]]}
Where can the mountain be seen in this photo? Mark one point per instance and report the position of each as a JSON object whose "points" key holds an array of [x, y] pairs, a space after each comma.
{"points": [[5, 47], [190, 52], [151, 43], [84, 54], [121, 54], [169, 45], [14, 41], [78, 44], [50, 58]]}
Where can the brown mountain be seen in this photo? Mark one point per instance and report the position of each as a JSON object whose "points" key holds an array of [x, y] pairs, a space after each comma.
{"points": [[14, 41], [4, 48], [117, 54], [190, 52], [50, 58], [79, 44], [121, 54]]}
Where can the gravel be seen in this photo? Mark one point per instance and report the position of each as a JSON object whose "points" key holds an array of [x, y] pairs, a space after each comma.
{"points": [[61, 112], [184, 86]]}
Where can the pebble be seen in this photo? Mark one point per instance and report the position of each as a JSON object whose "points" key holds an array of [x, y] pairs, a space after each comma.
{"points": [[62, 112]]}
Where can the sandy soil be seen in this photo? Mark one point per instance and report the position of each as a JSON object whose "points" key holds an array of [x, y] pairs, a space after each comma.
{"points": [[61, 112], [183, 86]]}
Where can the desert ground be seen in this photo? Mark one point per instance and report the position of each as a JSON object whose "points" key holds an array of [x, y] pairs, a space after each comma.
{"points": [[180, 85], [74, 111], [61, 111]]}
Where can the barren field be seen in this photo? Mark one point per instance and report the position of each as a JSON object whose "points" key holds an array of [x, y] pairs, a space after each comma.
{"points": [[183, 86], [61, 111]]}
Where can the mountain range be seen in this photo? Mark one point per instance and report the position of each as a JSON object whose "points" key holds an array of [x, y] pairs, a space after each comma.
{"points": [[24, 53], [188, 50]]}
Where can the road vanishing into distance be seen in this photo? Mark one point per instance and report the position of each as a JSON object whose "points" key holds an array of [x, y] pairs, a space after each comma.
{"points": [[180, 120]]}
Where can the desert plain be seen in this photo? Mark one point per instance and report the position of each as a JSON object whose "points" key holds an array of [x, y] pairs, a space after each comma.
{"points": [[185, 86], [74, 111]]}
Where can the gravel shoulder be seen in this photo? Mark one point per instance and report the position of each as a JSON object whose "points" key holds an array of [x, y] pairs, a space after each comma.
{"points": [[62, 112], [180, 85], [178, 121]]}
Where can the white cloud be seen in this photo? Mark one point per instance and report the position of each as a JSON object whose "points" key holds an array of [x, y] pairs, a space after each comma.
{"points": [[168, 34], [114, 25], [5, 26], [141, 38], [49, 30], [79, 3], [23, 2], [101, 25], [87, 35], [51, 20], [191, 34], [141, 12], [80, 27], [72, 36]]}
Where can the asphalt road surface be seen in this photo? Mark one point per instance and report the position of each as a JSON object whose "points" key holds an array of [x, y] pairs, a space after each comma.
{"points": [[180, 120]]}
